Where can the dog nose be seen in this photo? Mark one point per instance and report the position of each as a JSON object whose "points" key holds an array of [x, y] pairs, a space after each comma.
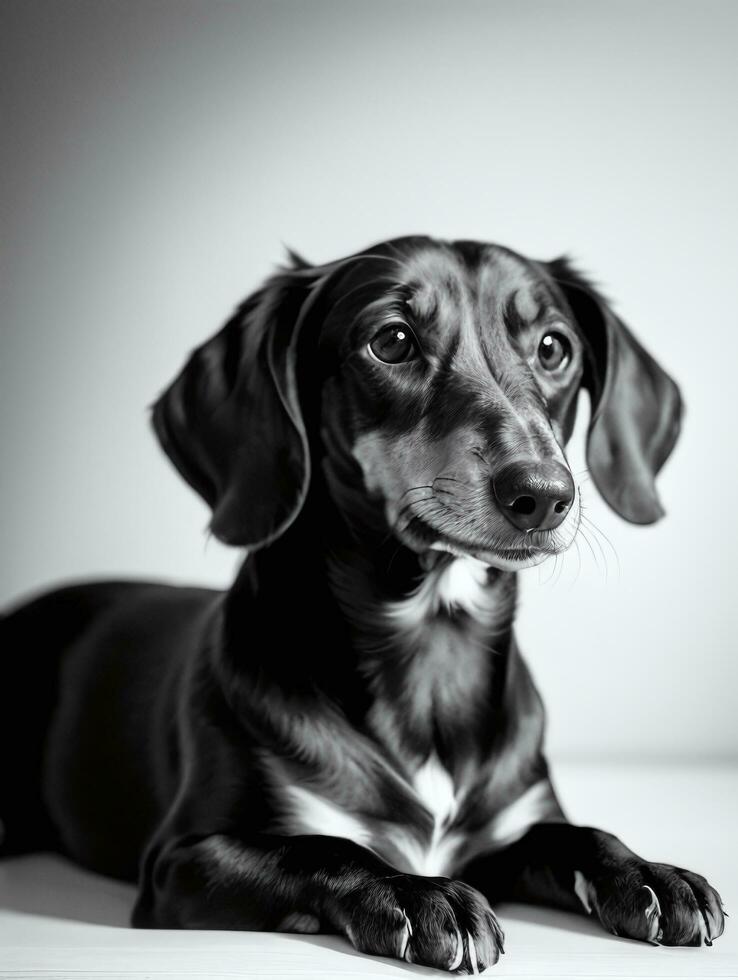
{"points": [[534, 496]]}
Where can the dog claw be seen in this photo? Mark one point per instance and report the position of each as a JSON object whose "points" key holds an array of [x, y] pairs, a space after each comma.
{"points": [[706, 930], [653, 915], [459, 955], [472, 953], [584, 891], [404, 940]]}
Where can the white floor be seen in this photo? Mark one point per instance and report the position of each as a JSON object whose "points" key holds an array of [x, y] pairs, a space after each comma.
{"points": [[57, 921]]}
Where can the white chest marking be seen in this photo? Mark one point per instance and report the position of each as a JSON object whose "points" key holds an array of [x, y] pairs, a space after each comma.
{"points": [[308, 813], [435, 789], [537, 803], [462, 583], [305, 812]]}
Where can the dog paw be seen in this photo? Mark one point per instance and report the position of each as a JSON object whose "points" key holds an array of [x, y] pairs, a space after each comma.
{"points": [[433, 922], [655, 903]]}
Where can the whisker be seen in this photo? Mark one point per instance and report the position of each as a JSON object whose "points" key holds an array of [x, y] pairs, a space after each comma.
{"points": [[594, 556], [553, 569], [418, 511], [561, 569], [579, 565], [409, 505], [425, 486], [599, 533], [601, 550], [451, 479]]}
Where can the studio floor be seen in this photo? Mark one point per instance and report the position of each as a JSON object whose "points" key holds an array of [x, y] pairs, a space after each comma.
{"points": [[57, 921]]}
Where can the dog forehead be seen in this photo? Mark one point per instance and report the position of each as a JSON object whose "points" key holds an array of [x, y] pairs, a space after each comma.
{"points": [[503, 276], [452, 287]]}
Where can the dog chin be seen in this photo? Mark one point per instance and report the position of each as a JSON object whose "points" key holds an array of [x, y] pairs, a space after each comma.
{"points": [[528, 558], [431, 545]]}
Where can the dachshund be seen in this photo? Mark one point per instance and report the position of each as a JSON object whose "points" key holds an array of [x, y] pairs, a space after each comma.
{"points": [[348, 739]]}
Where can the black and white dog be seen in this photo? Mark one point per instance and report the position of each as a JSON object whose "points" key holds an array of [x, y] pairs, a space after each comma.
{"points": [[348, 740]]}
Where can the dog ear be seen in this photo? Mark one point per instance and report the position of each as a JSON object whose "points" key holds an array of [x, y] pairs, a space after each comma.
{"points": [[231, 422], [636, 407]]}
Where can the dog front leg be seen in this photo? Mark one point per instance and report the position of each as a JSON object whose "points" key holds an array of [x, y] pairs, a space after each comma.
{"points": [[315, 883], [591, 871]]}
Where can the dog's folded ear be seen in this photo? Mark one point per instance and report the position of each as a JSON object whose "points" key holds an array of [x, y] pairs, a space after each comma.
{"points": [[231, 422], [636, 406]]}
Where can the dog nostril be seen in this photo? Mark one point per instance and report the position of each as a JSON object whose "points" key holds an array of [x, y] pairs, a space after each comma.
{"points": [[561, 506], [523, 505]]}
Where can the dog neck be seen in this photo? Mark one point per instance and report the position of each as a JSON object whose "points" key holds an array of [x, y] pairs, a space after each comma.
{"points": [[411, 646]]}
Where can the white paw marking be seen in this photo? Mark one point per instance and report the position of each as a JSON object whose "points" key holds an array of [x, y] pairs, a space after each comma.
{"points": [[472, 953]]}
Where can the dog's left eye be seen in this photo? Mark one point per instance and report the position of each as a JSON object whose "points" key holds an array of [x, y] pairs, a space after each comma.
{"points": [[554, 351], [394, 344]]}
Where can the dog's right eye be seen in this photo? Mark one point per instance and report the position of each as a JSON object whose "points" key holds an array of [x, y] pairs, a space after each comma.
{"points": [[394, 344]]}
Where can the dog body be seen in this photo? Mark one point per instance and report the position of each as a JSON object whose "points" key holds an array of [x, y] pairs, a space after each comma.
{"points": [[348, 739]]}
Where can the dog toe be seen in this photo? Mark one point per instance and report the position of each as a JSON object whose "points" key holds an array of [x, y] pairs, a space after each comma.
{"points": [[431, 922], [655, 903]]}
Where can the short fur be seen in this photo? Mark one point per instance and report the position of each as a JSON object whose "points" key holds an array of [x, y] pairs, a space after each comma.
{"points": [[348, 739]]}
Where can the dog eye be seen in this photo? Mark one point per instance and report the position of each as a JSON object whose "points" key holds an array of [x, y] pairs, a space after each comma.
{"points": [[554, 351], [394, 344]]}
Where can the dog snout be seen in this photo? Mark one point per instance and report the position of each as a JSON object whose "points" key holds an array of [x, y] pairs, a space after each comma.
{"points": [[533, 495]]}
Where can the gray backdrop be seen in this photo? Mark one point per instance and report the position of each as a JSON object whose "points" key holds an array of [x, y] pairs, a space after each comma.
{"points": [[157, 155]]}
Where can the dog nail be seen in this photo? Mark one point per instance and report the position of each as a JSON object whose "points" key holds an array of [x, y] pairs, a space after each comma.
{"points": [[404, 939], [472, 953], [710, 930], [459, 954], [584, 891], [652, 913]]}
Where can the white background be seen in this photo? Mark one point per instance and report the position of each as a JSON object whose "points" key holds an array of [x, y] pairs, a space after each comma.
{"points": [[158, 155]]}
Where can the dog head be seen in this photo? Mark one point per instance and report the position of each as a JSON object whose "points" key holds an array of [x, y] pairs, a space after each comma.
{"points": [[435, 385]]}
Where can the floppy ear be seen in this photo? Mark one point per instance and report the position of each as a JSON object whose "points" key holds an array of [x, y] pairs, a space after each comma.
{"points": [[636, 407], [231, 423]]}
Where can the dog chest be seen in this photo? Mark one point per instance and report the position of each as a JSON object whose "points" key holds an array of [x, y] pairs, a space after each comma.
{"points": [[436, 845], [424, 846]]}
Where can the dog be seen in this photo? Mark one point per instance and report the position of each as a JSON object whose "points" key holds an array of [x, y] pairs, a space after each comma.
{"points": [[348, 740]]}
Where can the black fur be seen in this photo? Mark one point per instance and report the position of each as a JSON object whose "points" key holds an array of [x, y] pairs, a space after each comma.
{"points": [[173, 736]]}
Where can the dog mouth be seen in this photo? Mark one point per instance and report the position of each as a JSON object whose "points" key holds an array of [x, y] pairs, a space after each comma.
{"points": [[423, 537]]}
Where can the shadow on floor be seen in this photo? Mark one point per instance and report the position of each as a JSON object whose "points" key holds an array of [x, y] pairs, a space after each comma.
{"points": [[49, 885], [44, 884], [550, 919]]}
